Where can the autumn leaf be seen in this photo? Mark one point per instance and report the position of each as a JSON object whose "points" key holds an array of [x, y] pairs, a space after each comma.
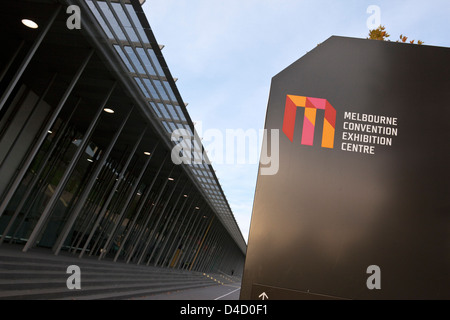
{"points": [[380, 33]]}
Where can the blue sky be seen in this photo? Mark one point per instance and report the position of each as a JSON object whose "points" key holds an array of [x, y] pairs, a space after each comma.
{"points": [[225, 53]]}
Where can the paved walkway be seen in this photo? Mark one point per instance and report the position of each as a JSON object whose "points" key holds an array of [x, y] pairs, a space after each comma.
{"points": [[39, 274], [220, 292]]}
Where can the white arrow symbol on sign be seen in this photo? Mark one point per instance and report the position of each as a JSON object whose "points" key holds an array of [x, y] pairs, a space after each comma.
{"points": [[263, 296]]}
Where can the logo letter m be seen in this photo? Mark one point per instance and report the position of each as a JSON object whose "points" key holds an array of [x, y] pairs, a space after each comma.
{"points": [[311, 105]]}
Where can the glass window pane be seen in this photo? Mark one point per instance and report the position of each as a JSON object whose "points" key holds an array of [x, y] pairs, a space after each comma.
{"points": [[99, 19], [161, 90], [172, 112], [124, 58], [146, 61], [166, 126], [143, 89], [156, 62], [189, 130], [137, 23], [134, 60], [121, 14], [163, 110], [172, 126], [131, 34], [110, 17], [169, 90], [180, 113], [155, 109], [125, 22], [149, 85]]}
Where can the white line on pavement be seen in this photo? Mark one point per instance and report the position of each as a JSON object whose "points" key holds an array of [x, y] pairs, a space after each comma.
{"points": [[227, 294]]}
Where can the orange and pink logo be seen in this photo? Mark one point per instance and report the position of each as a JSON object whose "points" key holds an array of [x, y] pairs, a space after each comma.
{"points": [[311, 106]]}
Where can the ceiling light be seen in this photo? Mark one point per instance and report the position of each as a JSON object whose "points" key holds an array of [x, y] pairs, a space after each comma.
{"points": [[30, 23], [185, 195], [50, 131], [147, 153], [171, 179], [197, 208], [107, 110], [90, 160]]}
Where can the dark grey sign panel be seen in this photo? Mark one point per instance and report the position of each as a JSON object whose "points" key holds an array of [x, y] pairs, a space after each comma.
{"points": [[261, 292], [360, 205]]}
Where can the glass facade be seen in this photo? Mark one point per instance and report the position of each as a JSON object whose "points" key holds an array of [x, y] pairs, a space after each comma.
{"points": [[145, 63], [84, 168]]}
